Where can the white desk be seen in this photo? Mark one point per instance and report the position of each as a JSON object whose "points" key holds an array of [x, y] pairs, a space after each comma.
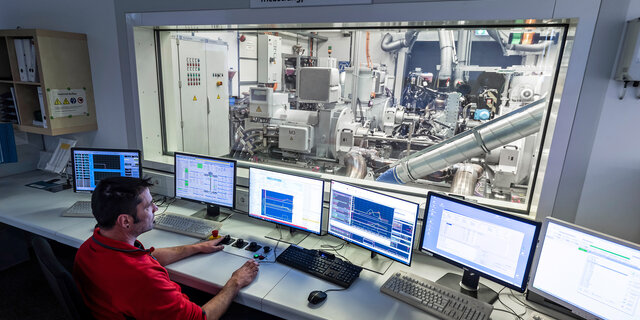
{"points": [[278, 289]]}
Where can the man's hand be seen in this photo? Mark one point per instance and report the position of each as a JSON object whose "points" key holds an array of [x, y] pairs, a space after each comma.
{"points": [[239, 279], [245, 274], [210, 246]]}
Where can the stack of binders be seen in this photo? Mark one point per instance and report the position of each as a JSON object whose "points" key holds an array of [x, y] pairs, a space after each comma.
{"points": [[26, 54]]}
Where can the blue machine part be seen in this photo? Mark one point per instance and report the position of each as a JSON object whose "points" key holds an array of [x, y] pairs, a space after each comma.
{"points": [[482, 114]]}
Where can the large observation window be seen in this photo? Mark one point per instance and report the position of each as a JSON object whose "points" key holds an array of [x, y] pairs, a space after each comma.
{"points": [[462, 109]]}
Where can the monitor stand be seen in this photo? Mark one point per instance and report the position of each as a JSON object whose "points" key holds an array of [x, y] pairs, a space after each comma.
{"points": [[364, 258], [469, 284], [212, 212], [291, 235]]}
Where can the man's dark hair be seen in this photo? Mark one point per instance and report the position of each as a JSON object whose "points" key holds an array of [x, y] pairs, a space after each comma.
{"points": [[117, 195]]}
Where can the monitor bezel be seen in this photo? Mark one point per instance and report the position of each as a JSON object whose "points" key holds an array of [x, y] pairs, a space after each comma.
{"points": [[175, 179], [73, 162], [532, 249], [576, 310], [280, 223], [415, 229]]}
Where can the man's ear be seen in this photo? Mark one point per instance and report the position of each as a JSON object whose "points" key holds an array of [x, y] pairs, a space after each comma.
{"points": [[124, 221]]}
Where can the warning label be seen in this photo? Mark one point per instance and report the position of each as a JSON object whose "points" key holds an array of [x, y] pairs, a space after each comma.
{"points": [[67, 102]]}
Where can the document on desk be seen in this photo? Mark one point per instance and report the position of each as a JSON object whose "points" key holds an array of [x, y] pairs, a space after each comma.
{"points": [[61, 156]]}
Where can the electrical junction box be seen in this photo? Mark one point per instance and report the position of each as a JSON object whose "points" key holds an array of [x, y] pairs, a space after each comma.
{"points": [[298, 138], [629, 61]]}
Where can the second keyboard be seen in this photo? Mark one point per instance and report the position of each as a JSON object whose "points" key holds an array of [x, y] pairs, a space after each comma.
{"points": [[190, 226], [435, 299]]}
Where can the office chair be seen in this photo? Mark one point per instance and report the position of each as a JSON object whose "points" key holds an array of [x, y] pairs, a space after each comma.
{"points": [[60, 281]]}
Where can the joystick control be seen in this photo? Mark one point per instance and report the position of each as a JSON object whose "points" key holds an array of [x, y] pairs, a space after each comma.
{"points": [[227, 240], [253, 247], [240, 243], [266, 249]]}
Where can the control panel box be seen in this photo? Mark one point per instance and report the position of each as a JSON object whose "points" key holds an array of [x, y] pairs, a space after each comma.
{"points": [[269, 58]]}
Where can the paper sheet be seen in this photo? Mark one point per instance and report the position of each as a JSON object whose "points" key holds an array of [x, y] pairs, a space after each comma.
{"points": [[61, 156]]}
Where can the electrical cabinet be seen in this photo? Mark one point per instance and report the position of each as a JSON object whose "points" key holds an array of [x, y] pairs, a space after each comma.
{"points": [[269, 58], [199, 104], [46, 76]]}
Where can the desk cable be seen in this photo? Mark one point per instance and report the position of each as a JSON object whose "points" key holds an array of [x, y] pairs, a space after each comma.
{"points": [[275, 249], [510, 310], [513, 296]]}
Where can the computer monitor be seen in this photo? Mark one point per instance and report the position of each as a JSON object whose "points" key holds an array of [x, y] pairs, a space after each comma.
{"points": [[288, 200], [586, 273], [207, 180], [91, 165], [482, 241], [380, 223]]}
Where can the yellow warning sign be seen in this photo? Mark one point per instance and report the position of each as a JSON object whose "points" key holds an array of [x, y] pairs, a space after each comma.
{"points": [[66, 101], [218, 97], [58, 102], [195, 99], [291, 138], [258, 109]]}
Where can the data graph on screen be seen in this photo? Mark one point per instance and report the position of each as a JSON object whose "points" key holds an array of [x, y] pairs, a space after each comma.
{"points": [[377, 222], [277, 205], [286, 199], [364, 214]]}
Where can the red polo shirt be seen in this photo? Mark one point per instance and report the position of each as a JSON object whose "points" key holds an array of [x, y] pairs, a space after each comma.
{"points": [[118, 280]]}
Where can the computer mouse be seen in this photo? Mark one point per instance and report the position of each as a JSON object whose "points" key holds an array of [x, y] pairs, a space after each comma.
{"points": [[316, 297]]}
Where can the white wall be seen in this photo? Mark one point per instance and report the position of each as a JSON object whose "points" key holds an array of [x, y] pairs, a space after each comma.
{"points": [[610, 200], [96, 19]]}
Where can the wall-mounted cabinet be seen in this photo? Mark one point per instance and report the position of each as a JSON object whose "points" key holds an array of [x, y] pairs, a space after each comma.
{"points": [[47, 76]]}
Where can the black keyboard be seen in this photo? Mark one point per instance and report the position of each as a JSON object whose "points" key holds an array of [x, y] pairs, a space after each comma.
{"points": [[322, 265], [435, 299]]}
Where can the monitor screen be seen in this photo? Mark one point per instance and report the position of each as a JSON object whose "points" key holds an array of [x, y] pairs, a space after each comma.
{"points": [[205, 179], [92, 165], [286, 199], [582, 269], [496, 245], [375, 221]]}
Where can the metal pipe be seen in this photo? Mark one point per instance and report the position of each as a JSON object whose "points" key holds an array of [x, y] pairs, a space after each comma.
{"points": [[465, 179], [446, 54], [356, 165], [538, 47], [389, 45], [463, 50], [472, 143]]}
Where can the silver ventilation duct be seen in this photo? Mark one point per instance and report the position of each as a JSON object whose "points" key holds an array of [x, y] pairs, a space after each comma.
{"points": [[390, 45], [475, 142]]}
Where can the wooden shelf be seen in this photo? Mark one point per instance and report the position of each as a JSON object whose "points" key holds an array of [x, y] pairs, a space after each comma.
{"points": [[56, 53], [28, 83]]}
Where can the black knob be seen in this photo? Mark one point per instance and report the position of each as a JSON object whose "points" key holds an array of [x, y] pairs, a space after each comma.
{"points": [[266, 249], [226, 238], [240, 242], [253, 244]]}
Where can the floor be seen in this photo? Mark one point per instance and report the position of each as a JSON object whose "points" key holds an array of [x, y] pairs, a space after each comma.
{"points": [[25, 293]]}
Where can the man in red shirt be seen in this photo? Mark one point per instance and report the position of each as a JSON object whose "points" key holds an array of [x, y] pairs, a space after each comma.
{"points": [[120, 279]]}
